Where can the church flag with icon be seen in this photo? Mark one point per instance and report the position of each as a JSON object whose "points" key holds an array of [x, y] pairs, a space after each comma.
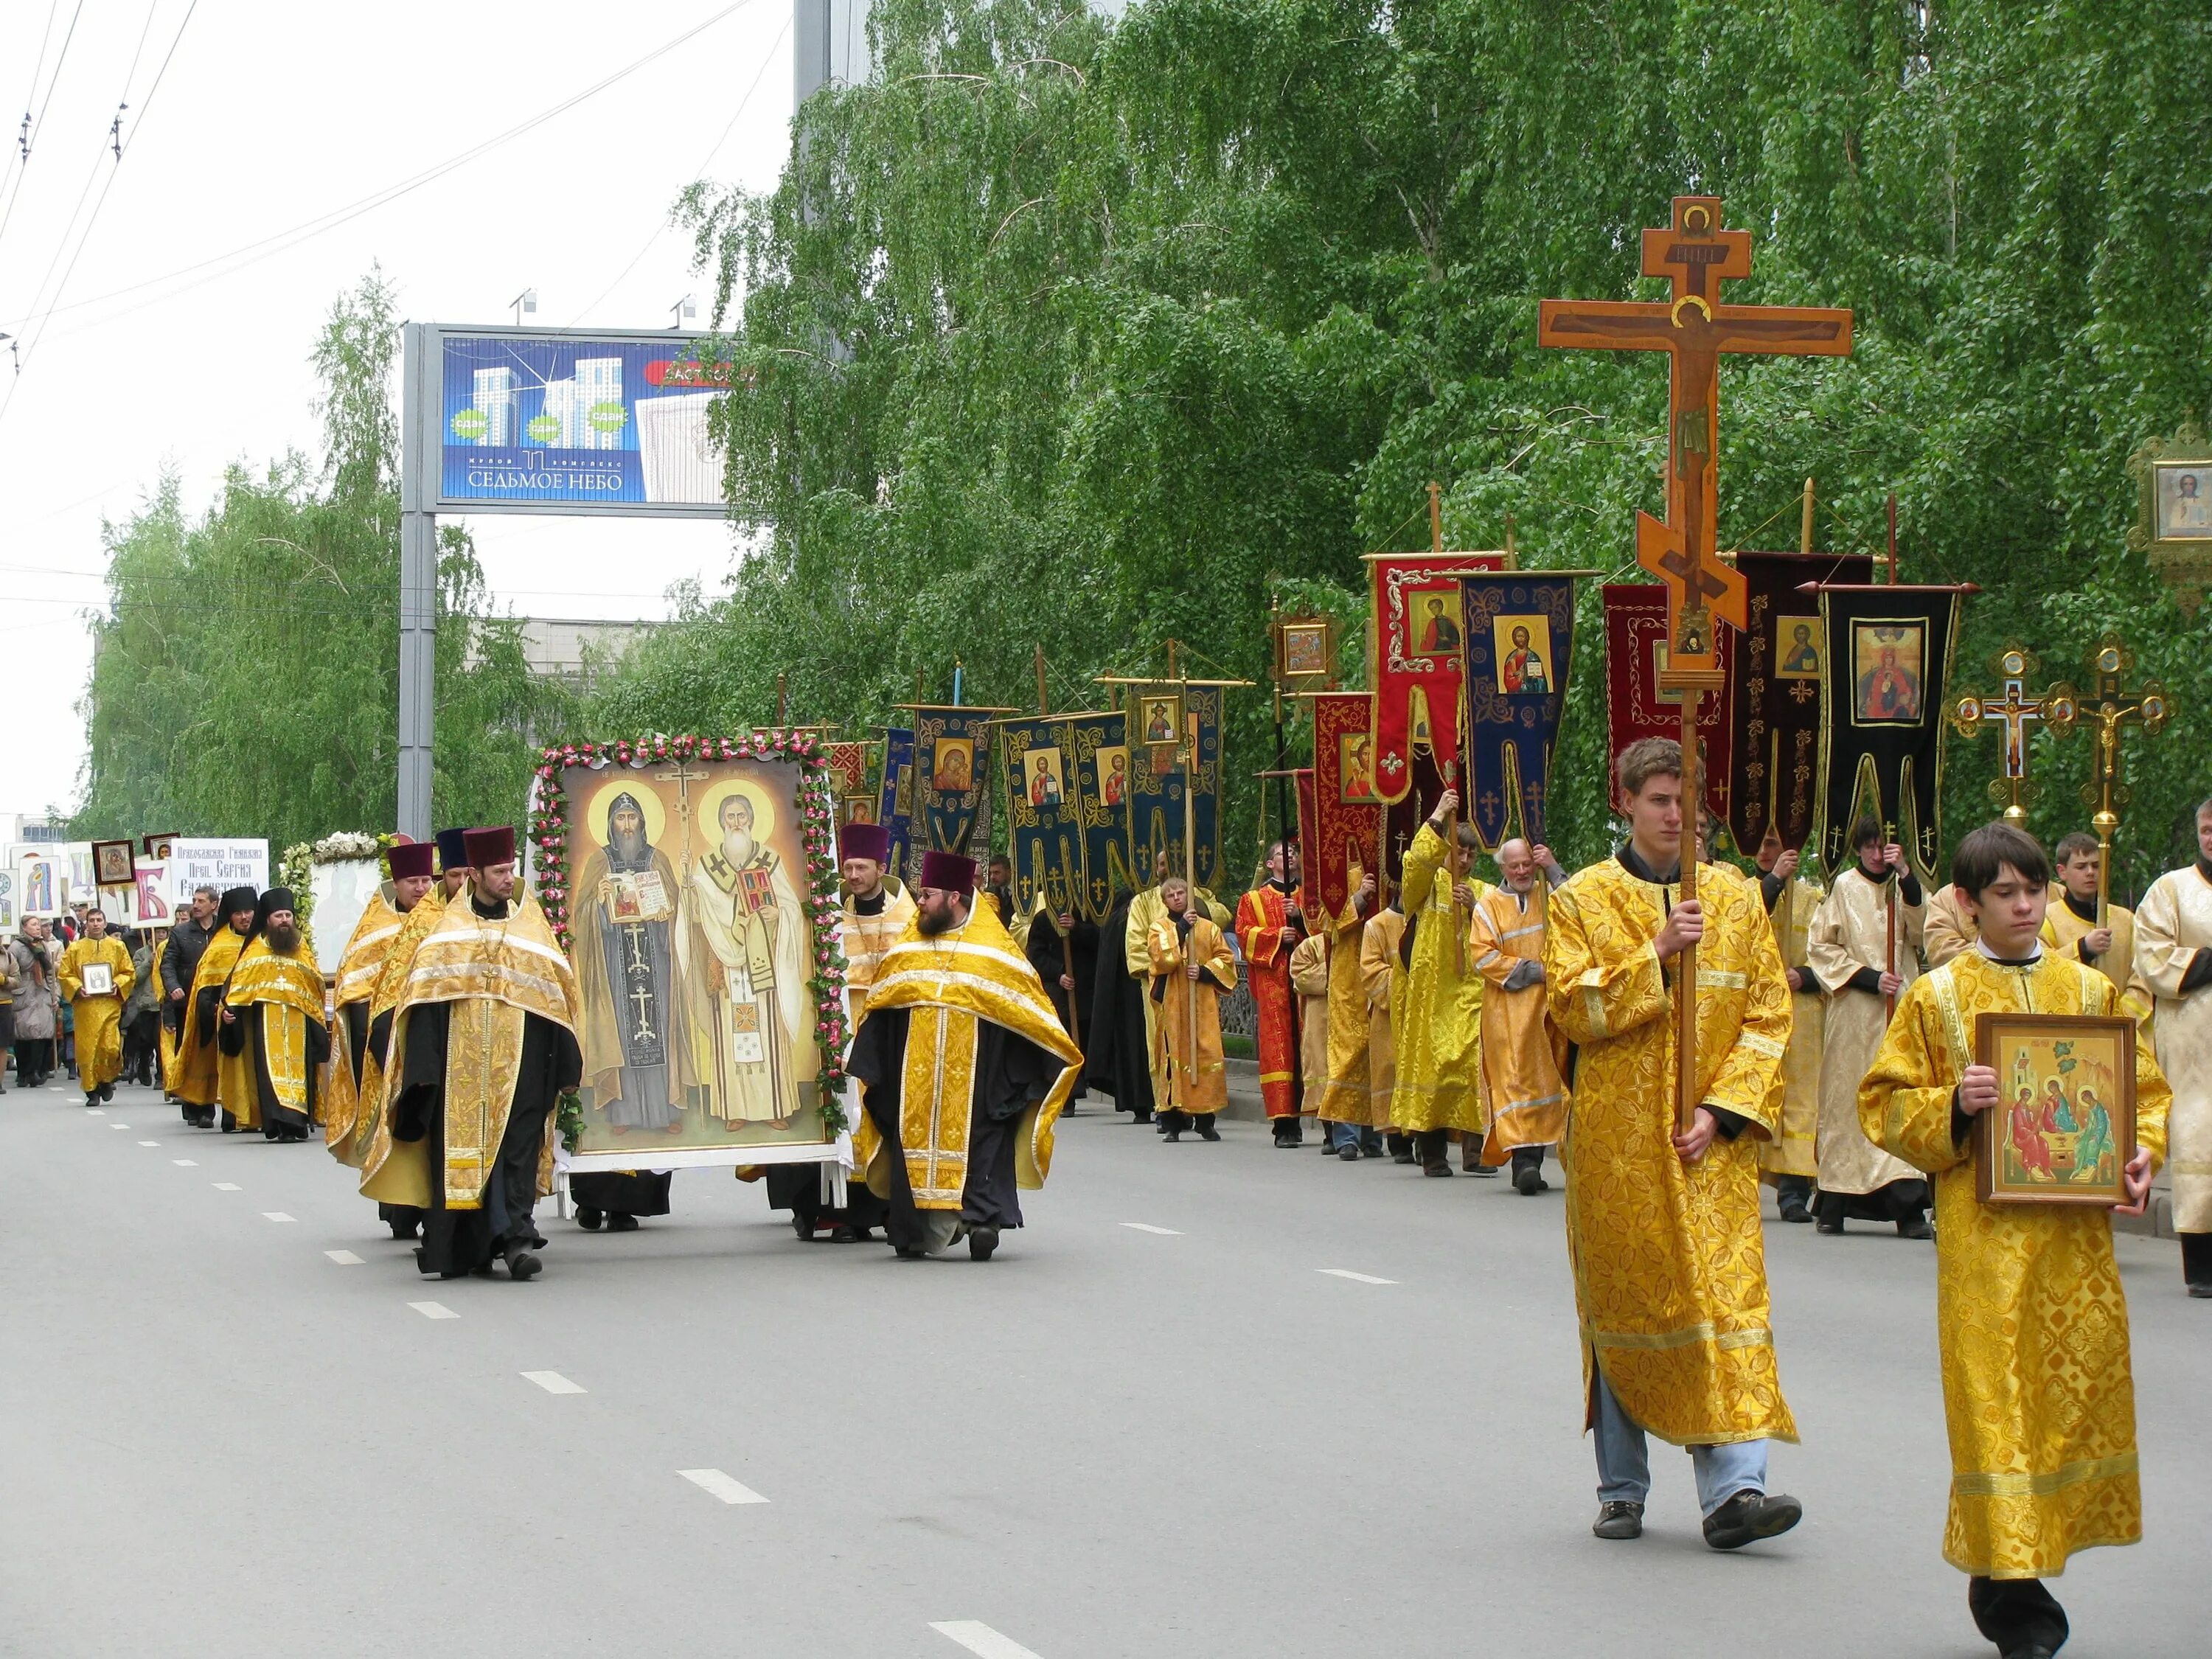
{"points": [[1888, 653], [1520, 640]]}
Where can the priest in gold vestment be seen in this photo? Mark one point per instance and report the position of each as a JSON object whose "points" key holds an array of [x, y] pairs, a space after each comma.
{"points": [[1662, 1225], [1861, 960], [1381, 969], [1338, 1090], [2174, 958], [1789, 1161], [98, 1013], [1146, 909], [1192, 967], [275, 1044], [405, 1220], [359, 970], [963, 1068], [1524, 1056], [1437, 1013], [197, 1073], [2030, 1316]]}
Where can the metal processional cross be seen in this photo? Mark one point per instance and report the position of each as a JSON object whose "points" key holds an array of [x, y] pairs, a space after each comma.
{"points": [[1695, 330], [2109, 710], [1972, 715]]}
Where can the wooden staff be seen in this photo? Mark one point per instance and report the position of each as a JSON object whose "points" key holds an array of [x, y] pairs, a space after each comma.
{"points": [[1686, 983], [1190, 897], [1067, 942], [1889, 944]]}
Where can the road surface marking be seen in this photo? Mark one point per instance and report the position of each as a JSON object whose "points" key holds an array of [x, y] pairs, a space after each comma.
{"points": [[275, 1215], [119, 1126], [229, 1186], [1347, 1272], [980, 1638], [149, 1142], [729, 1491], [553, 1382], [185, 1162], [433, 1310], [95, 1111], [343, 1258], [1147, 1227]]}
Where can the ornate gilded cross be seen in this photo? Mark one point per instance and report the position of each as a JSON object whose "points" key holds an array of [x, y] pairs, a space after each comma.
{"points": [[2109, 709], [1972, 715], [684, 777]]}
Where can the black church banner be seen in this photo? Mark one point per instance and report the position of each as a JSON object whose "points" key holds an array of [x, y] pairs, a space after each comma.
{"points": [[1103, 771], [1156, 782], [1774, 760], [1888, 653], [952, 758], [1044, 811], [895, 809], [1519, 641]]}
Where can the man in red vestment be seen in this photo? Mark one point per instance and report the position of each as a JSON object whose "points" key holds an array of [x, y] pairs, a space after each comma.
{"points": [[1268, 929]]}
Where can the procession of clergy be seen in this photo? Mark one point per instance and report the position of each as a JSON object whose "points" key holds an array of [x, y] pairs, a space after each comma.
{"points": [[1832, 1062]]}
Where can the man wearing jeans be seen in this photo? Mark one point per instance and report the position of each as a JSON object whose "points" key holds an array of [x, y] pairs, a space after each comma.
{"points": [[1662, 1221]]}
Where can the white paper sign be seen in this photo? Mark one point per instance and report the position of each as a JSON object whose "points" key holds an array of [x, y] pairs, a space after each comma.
{"points": [[218, 862], [149, 896], [42, 886]]}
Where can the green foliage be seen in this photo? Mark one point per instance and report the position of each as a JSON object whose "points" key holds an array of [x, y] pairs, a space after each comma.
{"points": [[245, 673], [1092, 336]]}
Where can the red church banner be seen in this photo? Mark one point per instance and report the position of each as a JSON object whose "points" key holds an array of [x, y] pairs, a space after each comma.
{"points": [[1347, 815], [1635, 655], [1418, 646]]}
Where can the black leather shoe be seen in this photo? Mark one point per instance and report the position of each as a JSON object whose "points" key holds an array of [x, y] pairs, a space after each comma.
{"points": [[590, 1221], [1402, 1157], [1749, 1516], [1828, 1226], [1791, 1206], [1531, 1181], [402, 1230], [521, 1265], [622, 1223], [1175, 1135], [1619, 1520], [1209, 1132], [1436, 1169], [2201, 1291], [1915, 1226], [982, 1241], [1348, 1152]]}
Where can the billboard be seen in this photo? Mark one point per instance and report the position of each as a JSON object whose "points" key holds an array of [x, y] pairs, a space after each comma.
{"points": [[534, 420]]}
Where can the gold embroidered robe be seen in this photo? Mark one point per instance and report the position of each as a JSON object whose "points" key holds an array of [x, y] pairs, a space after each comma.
{"points": [[383, 1001], [1793, 1150], [1669, 1258], [2030, 1316], [1524, 1056], [98, 1019], [289, 991], [1851, 931], [1380, 970], [358, 972], [1309, 976], [1436, 1014], [1188, 1072], [1947, 929], [2173, 923], [865, 939], [950, 982], [2063, 931], [1345, 1093], [199, 1073]]}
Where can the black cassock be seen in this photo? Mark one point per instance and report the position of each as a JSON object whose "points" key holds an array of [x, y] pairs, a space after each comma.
{"points": [[1012, 1073], [1050, 962], [456, 1242], [277, 1122], [622, 1191], [1116, 1061]]}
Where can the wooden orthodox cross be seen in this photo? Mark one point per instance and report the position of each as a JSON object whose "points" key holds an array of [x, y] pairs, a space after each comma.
{"points": [[1694, 329], [2109, 709], [1972, 715]]}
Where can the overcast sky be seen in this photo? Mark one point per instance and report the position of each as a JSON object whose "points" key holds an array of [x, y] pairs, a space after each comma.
{"points": [[182, 320]]}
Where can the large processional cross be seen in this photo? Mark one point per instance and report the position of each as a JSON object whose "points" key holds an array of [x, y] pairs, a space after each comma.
{"points": [[1695, 329], [1972, 715], [2108, 709]]}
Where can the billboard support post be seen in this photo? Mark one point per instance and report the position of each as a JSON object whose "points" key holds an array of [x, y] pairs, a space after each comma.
{"points": [[418, 588]]}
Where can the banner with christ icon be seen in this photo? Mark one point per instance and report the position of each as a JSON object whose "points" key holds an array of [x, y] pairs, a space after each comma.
{"points": [[685, 888], [1636, 656], [1158, 771], [1418, 645], [1774, 749], [1347, 816], [894, 799], [1520, 637], [1101, 781], [1044, 812], [1888, 652]]}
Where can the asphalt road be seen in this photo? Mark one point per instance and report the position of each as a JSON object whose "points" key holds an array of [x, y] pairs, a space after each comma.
{"points": [[1161, 1424]]}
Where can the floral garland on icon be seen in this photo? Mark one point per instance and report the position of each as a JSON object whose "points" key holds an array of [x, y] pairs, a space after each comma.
{"points": [[295, 865], [817, 835]]}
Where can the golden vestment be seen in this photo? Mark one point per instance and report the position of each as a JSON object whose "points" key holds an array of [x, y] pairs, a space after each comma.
{"points": [[950, 982], [1310, 977], [2173, 923], [496, 972], [1949, 929], [98, 1019], [198, 1078], [1851, 931], [383, 1000], [290, 991], [1437, 1015], [1792, 1151], [1668, 1259], [2033, 1324], [865, 939], [2062, 930], [1380, 972], [1524, 1057], [1189, 1073], [358, 972], [1344, 1096], [1146, 909]]}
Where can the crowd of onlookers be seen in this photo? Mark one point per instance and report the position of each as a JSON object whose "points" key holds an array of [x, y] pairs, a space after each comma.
{"points": [[37, 1025]]}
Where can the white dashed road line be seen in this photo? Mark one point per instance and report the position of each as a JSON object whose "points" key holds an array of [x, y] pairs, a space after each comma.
{"points": [[275, 1215], [343, 1258], [149, 1142], [980, 1639], [729, 1491], [229, 1186], [439, 1310], [1147, 1227], [185, 1162], [553, 1382], [1362, 1279]]}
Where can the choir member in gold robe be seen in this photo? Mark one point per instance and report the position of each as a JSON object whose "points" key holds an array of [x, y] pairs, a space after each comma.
{"points": [[1524, 1056], [359, 969], [1146, 909], [1343, 1099], [1381, 971], [1949, 929], [1310, 985], [963, 1069], [1269, 924], [2174, 958], [198, 1070], [484, 1043], [1662, 1221], [2031, 1320], [1862, 955], [275, 1044], [2070, 923], [1438, 1021], [1789, 1162], [1192, 967], [98, 1012]]}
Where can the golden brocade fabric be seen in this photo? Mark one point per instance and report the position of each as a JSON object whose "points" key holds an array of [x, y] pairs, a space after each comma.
{"points": [[1310, 985], [2062, 930], [197, 1080], [2174, 922], [1436, 1014], [289, 990], [358, 971], [2033, 1324], [1344, 1096], [384, 996], [1524, 1056], [1669, 1263], [864, 940], [98, 1019], [1792, 1151], [1189, 1074], [1380, 971], [949, 982]]}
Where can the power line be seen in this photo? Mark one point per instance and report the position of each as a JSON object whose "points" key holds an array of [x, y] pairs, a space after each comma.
{"points": [[30, 126]]}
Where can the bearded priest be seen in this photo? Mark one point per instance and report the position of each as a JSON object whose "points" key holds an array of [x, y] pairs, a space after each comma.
{"points": [[273, 1039], [483, 1042], [963, 1069], [359, 969]]}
